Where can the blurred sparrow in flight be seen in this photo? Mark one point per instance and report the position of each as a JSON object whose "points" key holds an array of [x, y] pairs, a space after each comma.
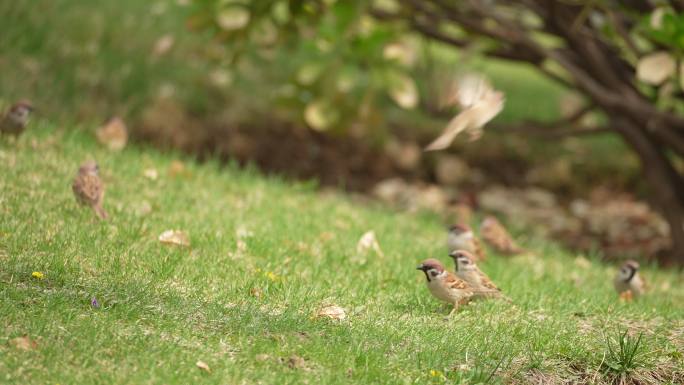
{"points": [[479, 103], [629, 280], [496, 236], [444, 285], [89, 189], [467, 270], [16, 118], [461, 237]]}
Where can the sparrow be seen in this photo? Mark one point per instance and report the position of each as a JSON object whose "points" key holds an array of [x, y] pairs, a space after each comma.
{"points": [[479, 103], [467, 270], [461, 237], [495, 235], [113, 134], [16, 118], [629, 280], [89, 189], [444, 285]]}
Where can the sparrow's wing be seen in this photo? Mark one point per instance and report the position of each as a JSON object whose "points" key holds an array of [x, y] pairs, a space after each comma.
{"points": [[455, 283], [494, 233], [486, 282], [471, 89], [456, 126]]}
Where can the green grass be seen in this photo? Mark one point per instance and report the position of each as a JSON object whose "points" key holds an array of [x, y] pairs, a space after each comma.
{"points": [[164, 308]]}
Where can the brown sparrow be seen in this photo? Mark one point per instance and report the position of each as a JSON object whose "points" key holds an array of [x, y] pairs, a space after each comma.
{"points": [[496, 235], [461, 237], [467, 270], [89, 189], [629, 280], [444, 285], [17, 117], [479, 103]]}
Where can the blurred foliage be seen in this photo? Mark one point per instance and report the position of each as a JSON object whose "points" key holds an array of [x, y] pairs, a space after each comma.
{"points": [[337, 65]]}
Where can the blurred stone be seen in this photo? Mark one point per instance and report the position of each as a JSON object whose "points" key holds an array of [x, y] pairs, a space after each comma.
{"points": [[459, 213], [451, 170], [405, 155], [412, 197], [431, 197], [390, 190]]}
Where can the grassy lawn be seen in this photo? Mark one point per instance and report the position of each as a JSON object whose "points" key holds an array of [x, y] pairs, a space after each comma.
{"points": [[264, 256]]}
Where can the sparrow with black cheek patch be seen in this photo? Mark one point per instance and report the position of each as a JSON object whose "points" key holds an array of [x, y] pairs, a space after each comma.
{"points": [[444, 285], [496, 235], [89, 189], [629, 279], [461, 237], [16, 118], [467, 270]]}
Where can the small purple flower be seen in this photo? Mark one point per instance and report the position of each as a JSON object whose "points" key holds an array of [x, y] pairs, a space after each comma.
{"points": [[94, 303]]}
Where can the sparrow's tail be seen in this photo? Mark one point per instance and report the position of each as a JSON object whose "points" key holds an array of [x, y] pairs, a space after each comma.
{"points": [[100, 212]]}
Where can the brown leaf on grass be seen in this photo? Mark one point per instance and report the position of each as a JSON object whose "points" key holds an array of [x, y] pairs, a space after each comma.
{"points": [[113, 134], [151, 173], [331, 311], [262, 357], [23, 343], [296, 362], [203, 366], [177, 168], [368, 242], [174, 237], [626, 296], [255, 292]]}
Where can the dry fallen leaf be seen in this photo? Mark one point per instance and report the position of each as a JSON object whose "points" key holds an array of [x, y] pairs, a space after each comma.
{"points": [[368, 242], [296, 362], [331, 311], [582, 262], [174, 237], [479, 103], [151, 173], [626, 296], [255, 292], [23, 343], [176, 168], [262, 357], [113, 134], [203, 366], [655, 68]]}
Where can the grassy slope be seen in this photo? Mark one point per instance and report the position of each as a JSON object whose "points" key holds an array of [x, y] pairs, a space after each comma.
{"points": [[164, 308]]}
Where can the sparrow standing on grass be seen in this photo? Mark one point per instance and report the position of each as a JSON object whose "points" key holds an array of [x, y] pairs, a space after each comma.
{"points": [[461, 237], [444, 285], [467, 270], [16, 118], [496, 235], [89, 189], [629, 280]]}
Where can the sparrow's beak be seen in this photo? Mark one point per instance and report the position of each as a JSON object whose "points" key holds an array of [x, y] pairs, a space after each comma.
{"points": [[420, 267]]}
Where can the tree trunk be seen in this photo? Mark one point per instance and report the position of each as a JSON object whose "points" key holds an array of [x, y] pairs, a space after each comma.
{"points": [[666, 184]]}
